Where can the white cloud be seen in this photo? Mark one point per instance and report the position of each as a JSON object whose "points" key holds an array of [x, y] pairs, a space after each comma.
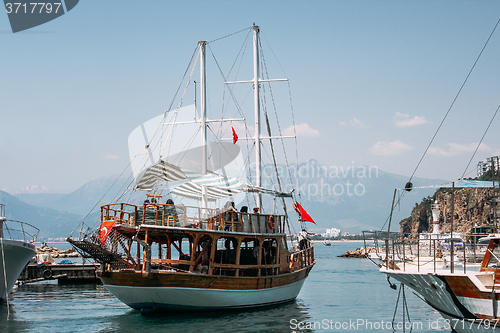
{"points": [[403, 120], [303, 130], [354, 122], [455, 149], [385, 148], [111, 157]]}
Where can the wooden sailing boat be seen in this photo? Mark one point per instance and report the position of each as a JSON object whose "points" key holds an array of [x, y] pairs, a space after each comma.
{"points": [[163, 256]]}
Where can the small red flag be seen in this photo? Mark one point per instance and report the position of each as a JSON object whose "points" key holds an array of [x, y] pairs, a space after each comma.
{"points": [[235, 136], [105, 230], [304, 216]]}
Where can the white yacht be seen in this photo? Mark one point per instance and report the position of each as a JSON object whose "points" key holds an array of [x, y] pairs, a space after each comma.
{"points": [[17, 247], [444, 270]]}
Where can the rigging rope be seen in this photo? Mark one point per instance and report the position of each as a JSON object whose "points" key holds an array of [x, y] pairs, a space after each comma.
{"points": [[238, 107], [176, 113], [484, 134], [401, 195], [234, 33], [271, 140], [293, 117], [454, 100], [175, 96]]}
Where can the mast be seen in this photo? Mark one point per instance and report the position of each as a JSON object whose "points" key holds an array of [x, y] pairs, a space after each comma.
{"points": [[203, 113], [257, 137], [256, 95]]}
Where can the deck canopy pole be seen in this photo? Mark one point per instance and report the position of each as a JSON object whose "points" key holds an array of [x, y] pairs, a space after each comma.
{"points": [[451, 223], [390, 216]]}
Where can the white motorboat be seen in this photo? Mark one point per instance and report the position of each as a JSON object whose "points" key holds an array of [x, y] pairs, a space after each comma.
{"points": [[17, 247]]}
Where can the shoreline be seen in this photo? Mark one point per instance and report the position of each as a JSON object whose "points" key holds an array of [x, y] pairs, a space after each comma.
{"points": [[339, 241]]}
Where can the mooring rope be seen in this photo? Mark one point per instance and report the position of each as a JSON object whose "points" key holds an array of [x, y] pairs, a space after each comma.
{"points": [[406, 313]]}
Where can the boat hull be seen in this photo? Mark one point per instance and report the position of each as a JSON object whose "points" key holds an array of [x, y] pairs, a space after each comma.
{"points": [[177, 291], [457, 298], [16, 255]]}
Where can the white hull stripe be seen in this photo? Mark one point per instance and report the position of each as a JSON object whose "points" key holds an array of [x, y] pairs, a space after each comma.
{"points": [[198, 298]]}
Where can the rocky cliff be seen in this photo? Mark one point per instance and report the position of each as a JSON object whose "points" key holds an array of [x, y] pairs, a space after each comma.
{"points": [[470, 206]]}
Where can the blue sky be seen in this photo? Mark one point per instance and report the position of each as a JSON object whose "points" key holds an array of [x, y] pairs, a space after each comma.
{"points": [[370, 80]]}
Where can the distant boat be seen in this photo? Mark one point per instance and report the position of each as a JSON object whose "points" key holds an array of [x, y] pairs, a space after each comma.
{"points": [[327, 242], [17, 247], [158, 256]]}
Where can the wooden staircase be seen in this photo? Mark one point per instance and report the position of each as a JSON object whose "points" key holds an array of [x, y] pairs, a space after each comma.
{"points": [[90, 250]]}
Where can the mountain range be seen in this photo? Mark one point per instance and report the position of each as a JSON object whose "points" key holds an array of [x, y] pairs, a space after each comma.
{"points": [[352, 199]]}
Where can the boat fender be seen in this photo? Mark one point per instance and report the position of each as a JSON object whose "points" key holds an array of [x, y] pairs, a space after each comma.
{"points": [[270, 222], [47, 274]]}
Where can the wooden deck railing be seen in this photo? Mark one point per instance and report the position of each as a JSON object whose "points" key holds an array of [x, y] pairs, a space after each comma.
{"points": [[302, 259], [192, 217]]}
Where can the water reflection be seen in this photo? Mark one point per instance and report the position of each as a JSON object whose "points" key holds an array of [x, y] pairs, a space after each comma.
{"points": [[338, 289], [9, 321], [268, 319]]}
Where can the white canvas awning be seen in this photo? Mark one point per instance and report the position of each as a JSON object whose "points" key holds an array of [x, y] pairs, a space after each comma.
{"points": [[218, 187], [161, 171]]}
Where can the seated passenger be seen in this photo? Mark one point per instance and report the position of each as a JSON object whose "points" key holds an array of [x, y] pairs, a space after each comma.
{"points": [[170, 211]]}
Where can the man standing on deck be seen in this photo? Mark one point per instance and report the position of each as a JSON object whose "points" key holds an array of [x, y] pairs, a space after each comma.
{"points": [[303, 239]]}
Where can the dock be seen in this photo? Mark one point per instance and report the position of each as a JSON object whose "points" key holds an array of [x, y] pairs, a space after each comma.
{"points": [[63, 273]]}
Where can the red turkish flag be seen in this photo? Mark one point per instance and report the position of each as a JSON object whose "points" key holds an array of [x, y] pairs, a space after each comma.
{"points": [[304, 216], [105, 229], [235, 136]]}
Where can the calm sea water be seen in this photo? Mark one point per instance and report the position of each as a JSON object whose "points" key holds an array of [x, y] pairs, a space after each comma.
{"points": [[339, 295]]}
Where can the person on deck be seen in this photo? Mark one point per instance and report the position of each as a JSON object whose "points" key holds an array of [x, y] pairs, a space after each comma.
{"points": [[171, 212], [303, 239], [229, 211]]}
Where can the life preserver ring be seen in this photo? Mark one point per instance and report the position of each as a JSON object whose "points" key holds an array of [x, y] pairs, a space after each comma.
{"points": [[207, 262], [47, 274], [270, 222]]}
